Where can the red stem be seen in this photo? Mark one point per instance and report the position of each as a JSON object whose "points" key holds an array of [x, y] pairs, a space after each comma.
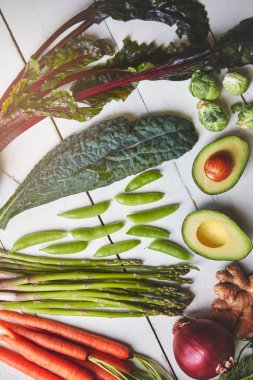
{"points": [[161, 71], [37, 85], [79, 75], [10, 130], [74, 20]]}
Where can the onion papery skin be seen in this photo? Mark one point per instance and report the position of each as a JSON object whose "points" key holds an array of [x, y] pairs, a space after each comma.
{"points": [[200, 346]]}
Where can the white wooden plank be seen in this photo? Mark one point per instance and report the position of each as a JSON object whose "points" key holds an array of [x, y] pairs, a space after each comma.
{"points": [[225, 14], [162, 96]]}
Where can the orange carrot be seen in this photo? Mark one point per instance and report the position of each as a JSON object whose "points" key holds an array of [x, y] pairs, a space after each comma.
{"points": [[51, 342], [44, 358], [101, 374], [124, 365], [99, 343], [23, 365]]}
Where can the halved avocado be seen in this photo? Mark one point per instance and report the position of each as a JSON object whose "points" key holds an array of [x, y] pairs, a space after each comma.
{"points": [[231, 146], [215, 236]]}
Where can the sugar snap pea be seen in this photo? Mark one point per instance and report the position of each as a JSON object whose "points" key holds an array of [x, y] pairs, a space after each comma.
{"points": [[148, 232], [152, 214], [96, 232], [134, 199], [65, 248], [37, 238], [143, 179], [86, 212], [116, 248], [170, 248]]}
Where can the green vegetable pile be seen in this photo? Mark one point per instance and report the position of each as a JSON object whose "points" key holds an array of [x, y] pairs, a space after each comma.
{"points": [[101, 288], [36, 93]]}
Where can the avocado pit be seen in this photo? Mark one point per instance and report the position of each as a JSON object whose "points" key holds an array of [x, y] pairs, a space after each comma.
{"points": [[219, 166]]}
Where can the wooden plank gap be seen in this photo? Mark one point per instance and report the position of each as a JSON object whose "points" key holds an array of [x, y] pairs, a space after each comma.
{"points": [[57, 129], [162, 349], [10, 176], [137, 90], [2, 244], [12, 37], [185, 186]]}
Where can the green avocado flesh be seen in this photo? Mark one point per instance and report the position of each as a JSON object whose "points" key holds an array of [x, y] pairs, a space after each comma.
{"points": [[237, 148], [215, 236]]}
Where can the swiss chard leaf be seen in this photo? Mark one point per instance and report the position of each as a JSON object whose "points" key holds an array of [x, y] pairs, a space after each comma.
{"points": [[81, 46], [73, 57], [189, 16], [61, 104], [235, 48], [99, 156], [131, 58]]}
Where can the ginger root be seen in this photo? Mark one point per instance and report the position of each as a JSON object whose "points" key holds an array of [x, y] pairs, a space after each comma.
{"points": [[234, 308]]}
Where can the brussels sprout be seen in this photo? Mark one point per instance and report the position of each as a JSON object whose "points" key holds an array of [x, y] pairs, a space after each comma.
{"points": [[212, 116], [235, 83], [203, 86], [245, 116]]}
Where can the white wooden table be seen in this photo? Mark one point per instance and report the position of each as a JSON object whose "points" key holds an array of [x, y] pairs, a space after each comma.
{"points": [[24, 26]]}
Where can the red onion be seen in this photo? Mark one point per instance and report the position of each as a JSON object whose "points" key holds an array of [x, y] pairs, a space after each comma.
{"points": [[203, 348]]}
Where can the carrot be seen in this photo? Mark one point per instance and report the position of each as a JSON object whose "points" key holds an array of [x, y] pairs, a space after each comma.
{"points": [[23, 365], [101, 374], [44, 358], [124, 365], [51, 342], [99, 343]]}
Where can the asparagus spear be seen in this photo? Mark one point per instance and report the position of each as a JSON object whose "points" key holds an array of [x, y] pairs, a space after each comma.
{"points": [[76, 276], [92, 296], [88, 308], [63, 261]]}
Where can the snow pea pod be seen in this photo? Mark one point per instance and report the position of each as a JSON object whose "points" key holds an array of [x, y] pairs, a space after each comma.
{"points": [[66, 248], [170, 248], [86, 212], [152, 214], [136, 199], [116, 248], [37, 238], [143, 179], [148, 232], [96, 232]]}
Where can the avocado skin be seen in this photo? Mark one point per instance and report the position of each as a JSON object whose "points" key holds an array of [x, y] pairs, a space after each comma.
{"points": [[233, 178]]}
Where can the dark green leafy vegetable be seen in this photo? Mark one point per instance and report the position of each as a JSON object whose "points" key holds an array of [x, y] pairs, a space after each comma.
{"points": [[30, 97], [99, 156], [116, 78], [189, 16]]}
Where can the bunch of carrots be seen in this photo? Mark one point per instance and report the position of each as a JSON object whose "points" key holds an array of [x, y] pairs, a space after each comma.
{"points": [[49, 350]]}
